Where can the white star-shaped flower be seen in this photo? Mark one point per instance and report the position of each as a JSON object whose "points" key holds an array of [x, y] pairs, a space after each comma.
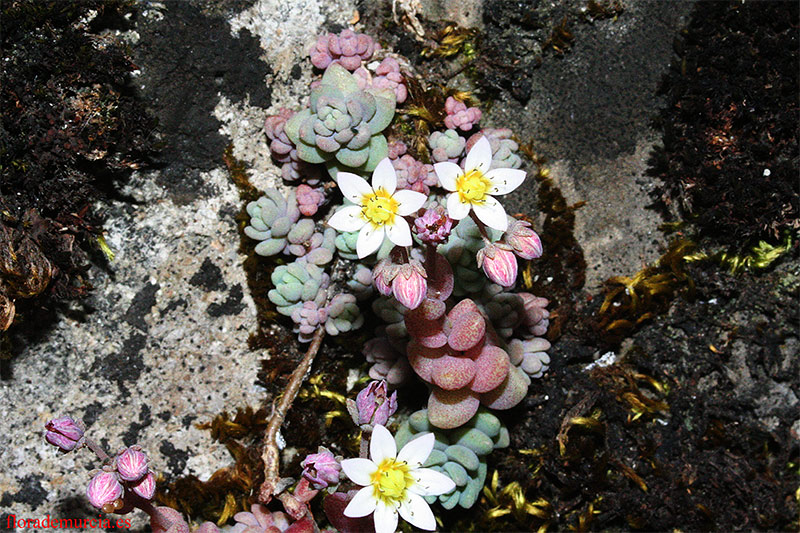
{"points": [[379, 209], [476, 186], [395, 483]]}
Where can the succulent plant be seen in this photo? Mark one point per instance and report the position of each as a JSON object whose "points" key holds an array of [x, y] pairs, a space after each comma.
{"points": [[309, 199], [348, 49], [414, 175], [343, 125], [530, 356], [460, 454], [307, 319], [457, 355], [388, 76], [388, 363], [446, 146], [272, 217], [504, 148], [459, 115], [392, 313], [360, 283], [396, 149], [296, 283], [343, 315], [261, 520], [284, 151]]}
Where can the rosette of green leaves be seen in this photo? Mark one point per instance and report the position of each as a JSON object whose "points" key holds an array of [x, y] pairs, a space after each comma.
{"points": [[343, 315], [296, 283], [273, 217], [458, 453], [343, 125]]}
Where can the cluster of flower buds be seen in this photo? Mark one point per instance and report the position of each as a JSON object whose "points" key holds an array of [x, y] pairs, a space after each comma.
{"points": [[117, 486], [373, 405], [127, 477], [433, 227]]}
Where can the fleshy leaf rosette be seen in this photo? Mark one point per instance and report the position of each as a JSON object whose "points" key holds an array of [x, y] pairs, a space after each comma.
{"points": [[343, 125], [458, 355], [296, 283], [460, 454]]}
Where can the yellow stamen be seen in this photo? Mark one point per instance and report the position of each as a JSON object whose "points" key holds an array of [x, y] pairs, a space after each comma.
{"points": [[473, 187], [379, 208], [391, 480]]}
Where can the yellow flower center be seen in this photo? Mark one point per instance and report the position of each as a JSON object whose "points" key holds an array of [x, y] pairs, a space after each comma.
{"points": [[379, 208], [472, 187], [391, 480]]}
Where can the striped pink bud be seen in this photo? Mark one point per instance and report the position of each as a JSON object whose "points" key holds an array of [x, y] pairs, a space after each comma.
{"points": [[104, 490], [499, 264], [146, 487], [410, 285], [132, 464], [65, 432], [523, 240]]}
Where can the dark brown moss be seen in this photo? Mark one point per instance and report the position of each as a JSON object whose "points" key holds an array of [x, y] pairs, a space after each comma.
{"points": [[731, 153], [70, 128]]}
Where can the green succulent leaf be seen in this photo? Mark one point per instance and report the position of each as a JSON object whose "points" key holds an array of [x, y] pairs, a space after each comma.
{"points": [[292, 126], [384, 111], [312, 154], [339, 77]]}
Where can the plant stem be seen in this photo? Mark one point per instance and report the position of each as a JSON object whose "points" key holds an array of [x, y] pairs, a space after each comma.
{"points": [[271, 454], [98, 451]]}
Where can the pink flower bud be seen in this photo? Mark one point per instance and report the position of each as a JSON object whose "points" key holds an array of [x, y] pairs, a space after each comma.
{"points": [[523, 240], [499, 264], [65, 432], [374, 405], [146, 487], [410, 285], [321, 469], [382, 276], [104, 489], [131, 464]]}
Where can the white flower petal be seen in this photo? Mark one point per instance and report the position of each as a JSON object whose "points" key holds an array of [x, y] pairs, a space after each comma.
{"points": [[385, 518], [416, 451], [370, 239], [409, 202], [362, 504], [348, 218], [359, 470], [505, 180], [480, 157], [382, 445], [417, 512], [353, 187], [491, 213], [429, 482], [447, 173], [399, 232], [456, 209], [384, 176]]}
